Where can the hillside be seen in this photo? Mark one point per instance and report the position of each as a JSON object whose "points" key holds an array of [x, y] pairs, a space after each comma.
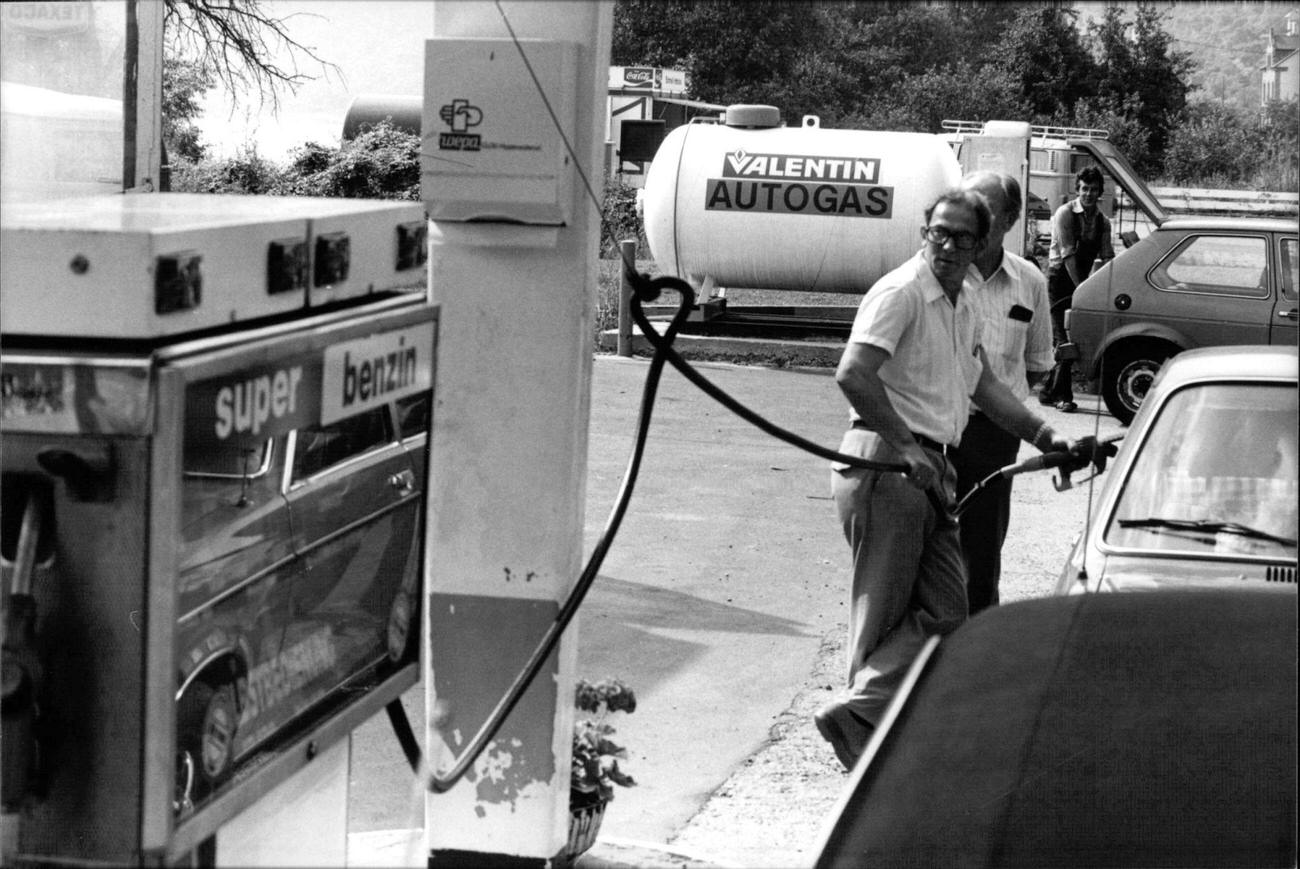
{"points": [[1226, 39]]}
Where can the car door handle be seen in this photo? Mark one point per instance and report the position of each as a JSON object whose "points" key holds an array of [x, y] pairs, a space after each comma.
{"points": [[1290, 315], [403, 481]]}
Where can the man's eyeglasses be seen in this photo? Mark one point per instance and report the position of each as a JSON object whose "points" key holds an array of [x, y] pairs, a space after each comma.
{"points": [[939, 235]]}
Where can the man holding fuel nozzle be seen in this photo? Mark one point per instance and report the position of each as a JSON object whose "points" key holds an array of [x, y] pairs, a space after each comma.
{"points": [[1009, 295], [911, 367]]}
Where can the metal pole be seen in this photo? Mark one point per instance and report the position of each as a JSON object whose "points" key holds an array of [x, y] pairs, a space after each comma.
{"points": [[130, 81], [626, 254]]}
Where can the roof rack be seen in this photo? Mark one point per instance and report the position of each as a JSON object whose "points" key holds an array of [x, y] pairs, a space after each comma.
{"points": [[1049, 132]]}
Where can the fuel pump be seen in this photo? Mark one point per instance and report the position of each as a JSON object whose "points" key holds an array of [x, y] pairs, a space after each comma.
{"points": [[215, 418]]}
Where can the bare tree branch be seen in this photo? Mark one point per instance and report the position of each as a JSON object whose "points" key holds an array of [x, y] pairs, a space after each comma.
{"points": [[241, 44]]}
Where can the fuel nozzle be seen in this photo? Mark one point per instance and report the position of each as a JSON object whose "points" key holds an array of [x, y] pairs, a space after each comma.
{"points": [[21, 674], [1086, 451]]}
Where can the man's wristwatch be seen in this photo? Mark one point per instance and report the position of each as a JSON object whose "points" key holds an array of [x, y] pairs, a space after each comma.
{"points": [[1043, 437]]}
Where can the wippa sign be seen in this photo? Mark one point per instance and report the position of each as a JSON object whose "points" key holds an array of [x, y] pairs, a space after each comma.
{"points": [[800, 184]]}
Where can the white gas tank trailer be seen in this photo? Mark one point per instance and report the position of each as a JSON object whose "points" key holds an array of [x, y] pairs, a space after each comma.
{"points": [[749, 203]]}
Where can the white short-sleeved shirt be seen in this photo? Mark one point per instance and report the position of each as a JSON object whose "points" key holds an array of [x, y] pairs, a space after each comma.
{"points": [[1015, 328], [933, 365]]}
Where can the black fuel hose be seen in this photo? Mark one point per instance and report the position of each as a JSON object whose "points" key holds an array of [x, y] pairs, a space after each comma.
{"points": [[1090, 450], [442, 781], [648, 289], [645, 289]]}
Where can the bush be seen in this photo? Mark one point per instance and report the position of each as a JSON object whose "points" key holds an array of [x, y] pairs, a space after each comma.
{"points": [[619, 220], [246, 172], [1207, 148], [381, 163], [1220, 146], [1279, 153]]}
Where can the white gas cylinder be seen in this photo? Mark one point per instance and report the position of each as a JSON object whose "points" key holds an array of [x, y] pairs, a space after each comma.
{"points": [[790, 208]]}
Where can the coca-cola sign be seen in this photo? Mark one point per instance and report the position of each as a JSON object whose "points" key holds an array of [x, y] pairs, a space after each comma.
{"points": [[640, 77]]}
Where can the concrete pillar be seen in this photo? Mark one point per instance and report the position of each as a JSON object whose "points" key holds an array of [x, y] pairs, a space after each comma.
{"points": [[508, 469]]}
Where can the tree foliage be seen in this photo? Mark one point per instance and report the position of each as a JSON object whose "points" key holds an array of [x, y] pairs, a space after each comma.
{"points": [[1119, 118], [238, 43], [857, 64], [762, 60], [1143, 70], [907, 66], [1279, 147], [1207, 148], [245, 172], [382, 162], [1207, 144], [1045, 53], [1228, 39], [184, 84], [618, 218]]}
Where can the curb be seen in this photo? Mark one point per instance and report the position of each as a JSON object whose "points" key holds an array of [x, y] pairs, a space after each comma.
{"points": [[629, 854], [746, 351], [398, 848]]}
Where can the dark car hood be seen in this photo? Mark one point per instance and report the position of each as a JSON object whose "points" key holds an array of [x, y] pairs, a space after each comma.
{"points": [[1154, 729]]}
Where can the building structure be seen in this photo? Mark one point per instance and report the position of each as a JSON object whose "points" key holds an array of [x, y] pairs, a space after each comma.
{"points": [[1280, 74]]}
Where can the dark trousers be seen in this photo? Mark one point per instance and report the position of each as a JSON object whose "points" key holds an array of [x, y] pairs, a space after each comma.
{"points": [[1059, 385], [985, 447]]}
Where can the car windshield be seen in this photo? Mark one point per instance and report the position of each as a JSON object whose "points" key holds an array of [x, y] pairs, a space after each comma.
{"points": [[1216, 474]]}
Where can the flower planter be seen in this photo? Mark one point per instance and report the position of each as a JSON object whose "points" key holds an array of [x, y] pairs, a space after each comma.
{"points": [[584, 827], [594, 771]]}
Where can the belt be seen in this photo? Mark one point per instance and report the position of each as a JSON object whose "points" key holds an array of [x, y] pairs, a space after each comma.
{"points": [[927, 443], [941, 449]]}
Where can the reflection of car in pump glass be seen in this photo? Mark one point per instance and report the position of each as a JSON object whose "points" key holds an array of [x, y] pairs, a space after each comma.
{"points": [[1192, 282], [1203, 491], [298, 571]]}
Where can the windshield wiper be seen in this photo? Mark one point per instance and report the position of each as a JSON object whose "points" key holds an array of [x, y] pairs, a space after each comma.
{"points": [[1206, 526]]}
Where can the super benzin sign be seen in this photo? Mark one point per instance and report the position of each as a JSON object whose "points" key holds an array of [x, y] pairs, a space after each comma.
{"points": [[792, 184], [305, 389]]}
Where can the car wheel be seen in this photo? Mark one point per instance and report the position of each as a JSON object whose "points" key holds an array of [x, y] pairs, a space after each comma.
{"points": [[206, 720], [1127, 374]]}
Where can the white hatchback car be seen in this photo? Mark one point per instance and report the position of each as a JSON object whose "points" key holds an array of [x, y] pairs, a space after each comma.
{"points": [[1203, 490]]}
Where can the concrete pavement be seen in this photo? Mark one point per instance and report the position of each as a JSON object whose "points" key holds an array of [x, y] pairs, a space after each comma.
{"points": [[736, 530]]}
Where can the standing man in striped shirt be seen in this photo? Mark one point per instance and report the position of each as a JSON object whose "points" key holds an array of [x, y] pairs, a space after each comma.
{"points": [[1009, 295]]}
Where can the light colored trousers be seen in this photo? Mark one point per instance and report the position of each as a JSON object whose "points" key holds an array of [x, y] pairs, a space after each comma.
{"points": [[909, 581]]}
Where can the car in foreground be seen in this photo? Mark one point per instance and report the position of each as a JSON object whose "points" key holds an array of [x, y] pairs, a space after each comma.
{"points": [[1092, 730], [1203, 490], [1191, 282]]}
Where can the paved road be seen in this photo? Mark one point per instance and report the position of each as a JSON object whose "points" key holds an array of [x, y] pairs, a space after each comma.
{"points": [[726, 576]]}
